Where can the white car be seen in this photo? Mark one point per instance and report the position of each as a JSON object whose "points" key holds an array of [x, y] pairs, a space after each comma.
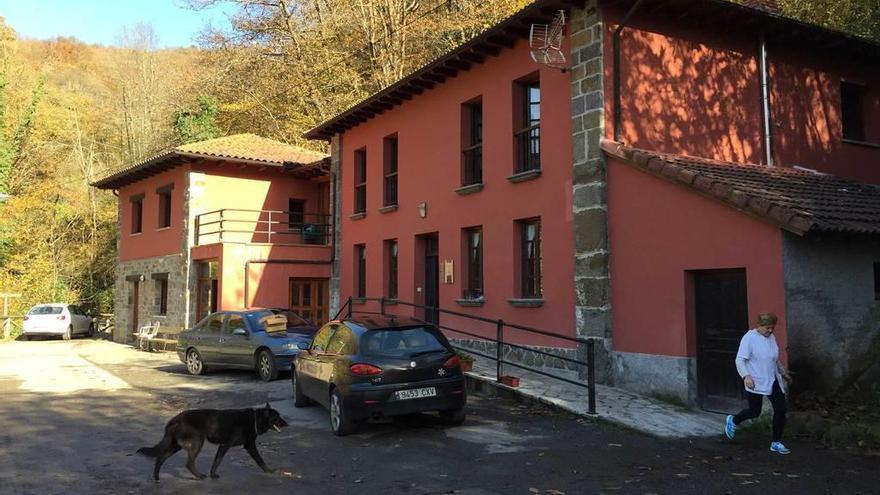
{"points": [[64, 320]]}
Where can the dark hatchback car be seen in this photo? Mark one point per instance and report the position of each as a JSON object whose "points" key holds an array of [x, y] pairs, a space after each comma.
{"points": [[364, 368], [245, 339]]}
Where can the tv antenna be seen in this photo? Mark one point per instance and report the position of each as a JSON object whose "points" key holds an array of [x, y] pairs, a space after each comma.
{"points": [[545, 43]]}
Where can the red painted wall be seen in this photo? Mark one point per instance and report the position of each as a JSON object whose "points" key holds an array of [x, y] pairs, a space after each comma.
{"points": [[429, 134], [658, 231], [153, 241], [693, 91]]}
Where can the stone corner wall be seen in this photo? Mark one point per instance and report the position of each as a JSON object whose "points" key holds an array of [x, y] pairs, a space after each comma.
{"points": [[336, 206], [175, 318], [590, 209]]}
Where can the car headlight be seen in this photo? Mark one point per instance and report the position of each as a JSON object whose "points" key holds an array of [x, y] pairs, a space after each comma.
{"points": [[292, 346]]}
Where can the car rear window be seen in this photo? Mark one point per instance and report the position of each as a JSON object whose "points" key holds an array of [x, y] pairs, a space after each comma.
{"points": [[46, 310], [401, 342]]}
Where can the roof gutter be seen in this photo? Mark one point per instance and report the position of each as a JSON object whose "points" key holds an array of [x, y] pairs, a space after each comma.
{"points": [[616, 48]]}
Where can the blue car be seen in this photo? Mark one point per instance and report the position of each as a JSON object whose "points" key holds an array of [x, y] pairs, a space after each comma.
{"points": [[265, 340]]}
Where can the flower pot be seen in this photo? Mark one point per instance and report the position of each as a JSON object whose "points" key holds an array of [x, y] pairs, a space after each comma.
{"points": [[510, 381]]}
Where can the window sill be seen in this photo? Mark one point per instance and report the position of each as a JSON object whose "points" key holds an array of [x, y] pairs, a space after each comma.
{"points": [[524, 176], [526, 303], [469, 189], [135, 234], [388, 209], [866, 144], [470, 303], [359, 300], [162, 229], [358, 216], [391, 301]]}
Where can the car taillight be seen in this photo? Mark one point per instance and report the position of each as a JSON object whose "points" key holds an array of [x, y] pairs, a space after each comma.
{"points": [[362, 369], [62, 317], [26, 317], [452, 362]]}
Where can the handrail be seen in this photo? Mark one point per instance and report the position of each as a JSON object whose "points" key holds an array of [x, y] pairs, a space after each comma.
{"points": [[500, 342], [315, 232]]}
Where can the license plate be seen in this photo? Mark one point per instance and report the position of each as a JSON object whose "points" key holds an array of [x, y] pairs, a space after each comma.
{"points": [[415, 393]]}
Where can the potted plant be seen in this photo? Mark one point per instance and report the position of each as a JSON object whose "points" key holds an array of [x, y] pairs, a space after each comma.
{"points": [[467, 361]]}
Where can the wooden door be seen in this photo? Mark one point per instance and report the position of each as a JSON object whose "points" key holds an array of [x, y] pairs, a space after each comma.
{"points": [[722, 318], [207, 293], [135, 302], [309, 298], [432, 279]]}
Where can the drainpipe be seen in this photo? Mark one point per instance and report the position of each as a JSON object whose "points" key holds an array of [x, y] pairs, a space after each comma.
{"points": [[247, 266], [616, 49], [765, 102]]}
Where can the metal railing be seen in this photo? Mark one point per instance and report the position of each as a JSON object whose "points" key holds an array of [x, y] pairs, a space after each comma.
{"points": [[263, 226], [528, 148], [473, 165], [499, 341]]}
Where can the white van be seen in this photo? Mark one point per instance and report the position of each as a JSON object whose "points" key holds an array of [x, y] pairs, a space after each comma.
{"points": [[64, 320]]}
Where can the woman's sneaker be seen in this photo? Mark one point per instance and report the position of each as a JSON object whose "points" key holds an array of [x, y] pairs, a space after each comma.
{"points": [[779, 448], [730, 428]]}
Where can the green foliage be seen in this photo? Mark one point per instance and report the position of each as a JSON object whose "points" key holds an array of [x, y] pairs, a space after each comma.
{"points": [[12, 143], [199, 124], [859, 17]]}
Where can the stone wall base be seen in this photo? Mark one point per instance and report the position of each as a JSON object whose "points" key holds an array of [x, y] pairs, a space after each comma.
{"points": [[148, 312], [665, 377]]}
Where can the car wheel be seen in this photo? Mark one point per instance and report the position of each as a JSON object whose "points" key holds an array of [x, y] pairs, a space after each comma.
{"points": [[339, 421], [266, 366], [194, 363], [299, 398], [91, 330], [26, 337], [67, 333], [453, 417]]}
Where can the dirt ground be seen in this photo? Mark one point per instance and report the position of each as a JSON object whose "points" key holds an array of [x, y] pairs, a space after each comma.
{"points": [[73, 413]]}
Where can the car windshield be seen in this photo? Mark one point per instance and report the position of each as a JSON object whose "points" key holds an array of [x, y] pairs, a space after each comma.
{"points": [[255, 320], [46, 310], [403, 342]]}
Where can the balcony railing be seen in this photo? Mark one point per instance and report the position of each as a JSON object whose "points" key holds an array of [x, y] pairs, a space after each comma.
{"points": [[263, 227], [528, 148]]}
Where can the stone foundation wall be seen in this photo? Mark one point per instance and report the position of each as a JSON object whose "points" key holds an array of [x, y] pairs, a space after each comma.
{"points": [[592, 283], [525, 356], [665, 377], [174, 319]]}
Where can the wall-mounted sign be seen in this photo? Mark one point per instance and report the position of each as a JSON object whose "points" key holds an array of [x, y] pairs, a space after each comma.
{"points": [[448, 272]]}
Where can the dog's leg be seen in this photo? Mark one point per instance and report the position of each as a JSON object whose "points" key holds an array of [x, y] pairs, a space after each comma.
{"points": [[221, 451], [252, 450], [162, 457], [193, 447]]}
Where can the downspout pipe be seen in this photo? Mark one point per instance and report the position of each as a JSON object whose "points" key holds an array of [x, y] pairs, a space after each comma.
{"points": [[615, 43], [765, 101]]}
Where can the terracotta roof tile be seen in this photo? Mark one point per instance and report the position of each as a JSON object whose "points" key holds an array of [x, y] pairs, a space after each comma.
{"points": [[797, 200], [242, 148]]}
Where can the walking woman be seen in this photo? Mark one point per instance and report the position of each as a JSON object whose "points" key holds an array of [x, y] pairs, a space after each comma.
{"points": [[757, 362]]}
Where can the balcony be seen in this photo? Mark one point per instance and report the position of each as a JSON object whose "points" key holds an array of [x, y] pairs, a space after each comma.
{"points": [[282, 228]]}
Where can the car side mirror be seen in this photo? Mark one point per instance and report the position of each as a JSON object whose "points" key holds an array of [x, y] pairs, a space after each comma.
{"points": [[239, 331]]}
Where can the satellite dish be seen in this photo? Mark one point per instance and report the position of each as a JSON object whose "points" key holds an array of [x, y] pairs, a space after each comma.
{"points": [[545, 43]]}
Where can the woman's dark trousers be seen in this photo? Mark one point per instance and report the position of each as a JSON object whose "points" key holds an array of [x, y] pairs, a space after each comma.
{"points": [[777, 398]]}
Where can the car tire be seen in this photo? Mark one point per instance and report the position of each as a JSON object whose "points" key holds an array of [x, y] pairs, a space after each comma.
{"points": [[26, 338], [266, 366], [453, 417], [299, 398], [194, 363], [340, 422], [68, 334], [91, 330]]}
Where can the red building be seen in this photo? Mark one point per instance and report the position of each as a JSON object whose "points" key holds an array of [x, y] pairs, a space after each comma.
{"points": [[697, 163], [228, 223]]}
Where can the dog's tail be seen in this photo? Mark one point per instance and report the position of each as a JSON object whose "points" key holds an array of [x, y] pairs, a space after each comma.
{"points": [[154, 451]]}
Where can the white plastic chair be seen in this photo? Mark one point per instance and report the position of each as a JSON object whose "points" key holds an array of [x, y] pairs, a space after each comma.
{"points": [[145, 336]]}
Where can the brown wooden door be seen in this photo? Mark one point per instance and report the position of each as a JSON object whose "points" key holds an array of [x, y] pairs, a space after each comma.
{"points": [[432, 279], [309, 298], [207, 293], [135, 302], [722, 318]]}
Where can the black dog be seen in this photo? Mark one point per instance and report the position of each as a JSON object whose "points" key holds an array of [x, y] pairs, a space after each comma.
{"points": [[226, 428]]}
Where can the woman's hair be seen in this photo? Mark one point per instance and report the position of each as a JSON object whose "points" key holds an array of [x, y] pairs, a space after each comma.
{"points": [[767, 319]]}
